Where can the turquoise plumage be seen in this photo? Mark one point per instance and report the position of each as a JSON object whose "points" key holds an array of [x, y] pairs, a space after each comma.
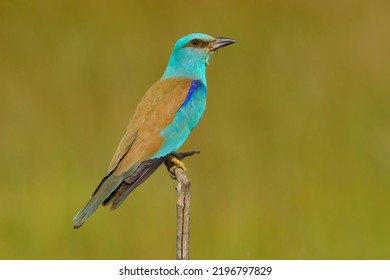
{"points": [[162, 122]]}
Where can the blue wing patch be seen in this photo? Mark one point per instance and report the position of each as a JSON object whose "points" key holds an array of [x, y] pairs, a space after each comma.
{"points": [[194, 87]]}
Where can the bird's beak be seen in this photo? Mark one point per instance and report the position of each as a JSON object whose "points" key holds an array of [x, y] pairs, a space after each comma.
{"points": [[221, 42]]}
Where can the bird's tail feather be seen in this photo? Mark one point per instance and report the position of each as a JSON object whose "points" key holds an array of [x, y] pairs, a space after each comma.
{"points": [[105, 188], [113, 190]]}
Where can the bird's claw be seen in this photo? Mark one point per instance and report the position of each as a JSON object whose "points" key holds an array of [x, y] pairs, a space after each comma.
{"points": [[172, 163], [172, 172]]}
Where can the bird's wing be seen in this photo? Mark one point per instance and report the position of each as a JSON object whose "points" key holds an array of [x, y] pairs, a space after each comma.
{"points": [[142, 139], [156, 111], [144, 170]]}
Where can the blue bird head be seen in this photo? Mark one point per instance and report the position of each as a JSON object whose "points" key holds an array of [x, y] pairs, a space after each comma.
{"points": [[191, 54]]}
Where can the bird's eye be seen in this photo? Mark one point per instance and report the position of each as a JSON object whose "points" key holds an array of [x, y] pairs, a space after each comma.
{"points": [[195, 42]]}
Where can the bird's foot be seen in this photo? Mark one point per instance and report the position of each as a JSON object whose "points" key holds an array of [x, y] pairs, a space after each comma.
{"points": [[173, 162]]}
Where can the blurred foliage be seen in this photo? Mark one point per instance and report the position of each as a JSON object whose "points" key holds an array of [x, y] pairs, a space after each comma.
{"points": [[295, 142]]}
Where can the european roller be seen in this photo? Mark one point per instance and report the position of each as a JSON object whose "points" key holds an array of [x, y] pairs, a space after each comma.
{"points": [[162, 122]]}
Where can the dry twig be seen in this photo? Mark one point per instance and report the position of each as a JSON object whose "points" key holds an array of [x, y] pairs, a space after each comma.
{"points": [[183, 203]]}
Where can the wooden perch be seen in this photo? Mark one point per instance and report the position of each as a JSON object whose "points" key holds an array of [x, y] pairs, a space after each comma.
{"points": [[183, 191]]}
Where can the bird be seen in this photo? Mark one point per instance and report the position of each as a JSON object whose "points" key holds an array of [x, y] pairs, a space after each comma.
{"points": [[168, 112]]}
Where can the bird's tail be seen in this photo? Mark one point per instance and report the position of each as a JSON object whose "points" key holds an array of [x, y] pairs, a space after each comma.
{"points": [[105, 188], [113, 190]]}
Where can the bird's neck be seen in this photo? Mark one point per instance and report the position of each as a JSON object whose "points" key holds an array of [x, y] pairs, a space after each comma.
{"points": [[186, 69]]}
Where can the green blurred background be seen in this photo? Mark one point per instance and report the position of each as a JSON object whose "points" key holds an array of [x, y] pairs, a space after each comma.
{"points": [[295, 142]]}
